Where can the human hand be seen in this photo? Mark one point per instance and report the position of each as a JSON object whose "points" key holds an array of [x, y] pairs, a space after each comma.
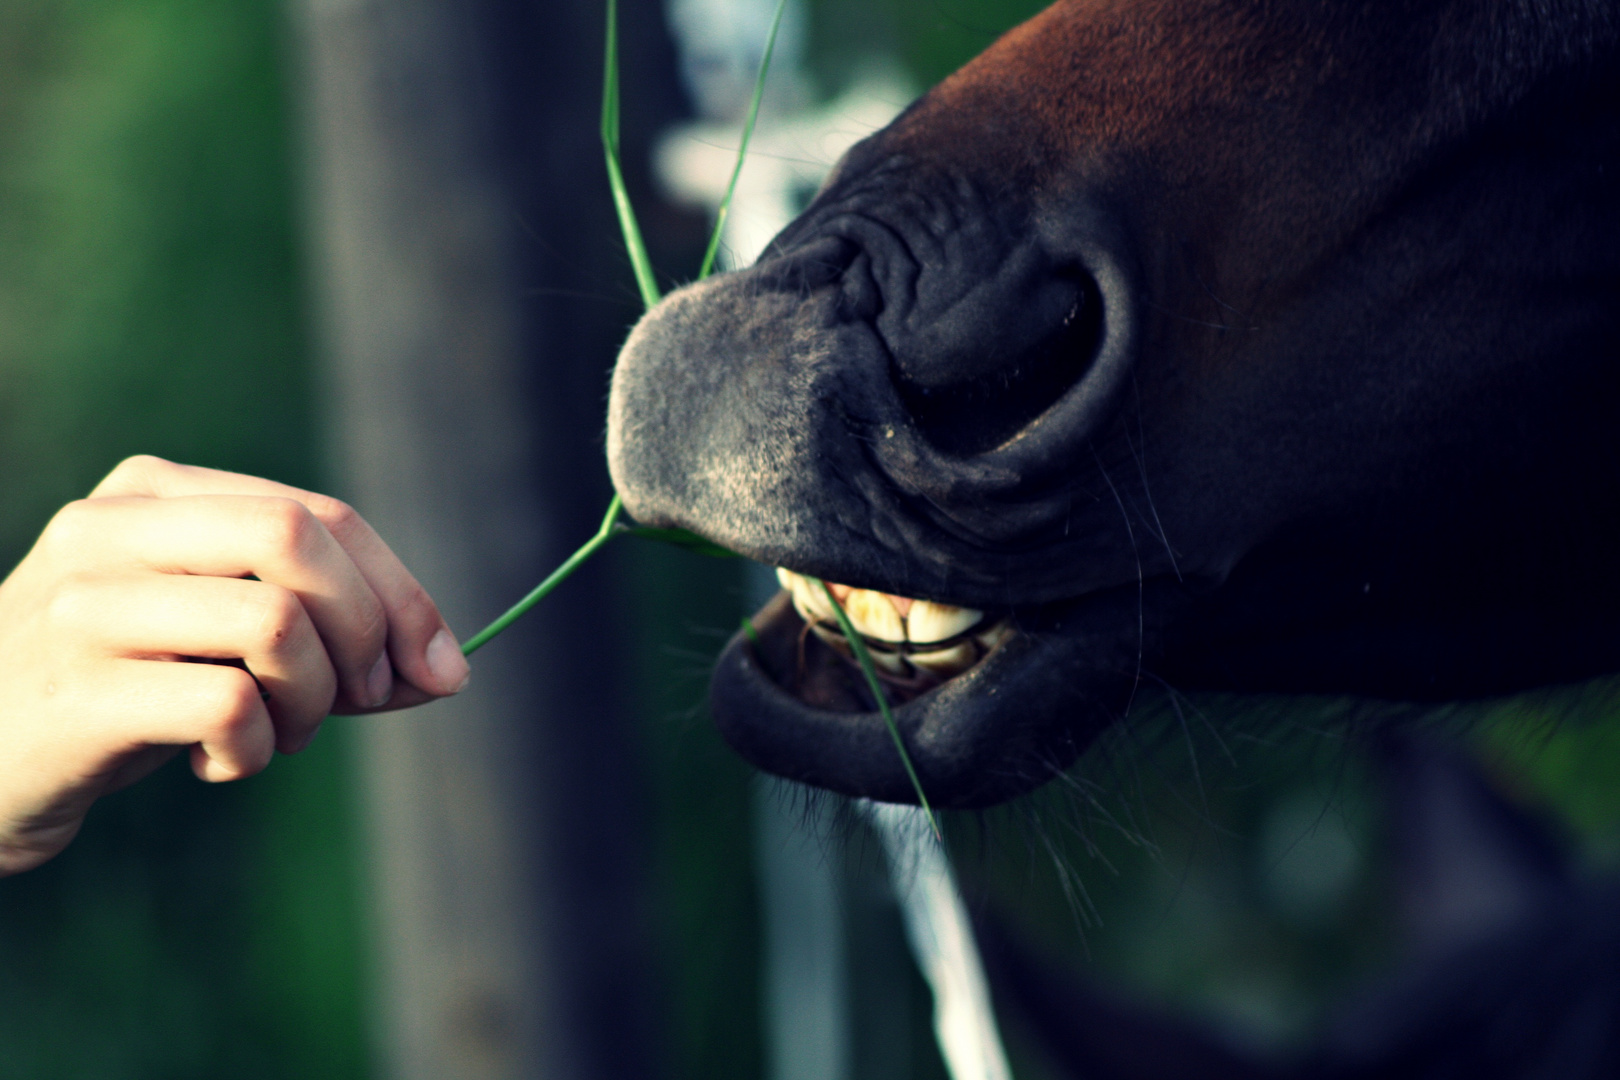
{"points": [[297, 601]]}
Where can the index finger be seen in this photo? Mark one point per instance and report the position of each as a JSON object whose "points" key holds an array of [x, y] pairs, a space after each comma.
{"points": [[420, 643]]}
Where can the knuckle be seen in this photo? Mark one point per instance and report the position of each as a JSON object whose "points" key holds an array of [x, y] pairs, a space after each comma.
{"points": [[338, 516], [70, 527], [138, 465], [75, 601], [417, 609], [231, 701], [274, 614], [256, 758], [136, 472], [286, 525]]}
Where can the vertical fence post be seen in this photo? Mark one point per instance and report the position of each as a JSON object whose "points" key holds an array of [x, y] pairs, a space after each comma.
{"points": [[428, 439], [466, 261]]}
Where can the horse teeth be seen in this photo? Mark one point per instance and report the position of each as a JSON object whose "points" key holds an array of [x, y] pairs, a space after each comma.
{"points": [[891, 662], [832, 638], [888, 620], [873, 616], [995, 635], [884, 660], [808, 598], [930, 621], [947, 662]]}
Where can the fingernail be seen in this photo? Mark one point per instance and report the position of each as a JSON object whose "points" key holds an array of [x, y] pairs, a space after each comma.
{"points": [[449, 667], [380, 683]]}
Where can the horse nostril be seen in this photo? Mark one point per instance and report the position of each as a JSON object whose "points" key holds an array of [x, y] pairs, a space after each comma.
{"points": [[980, 412], [809, 266], [862, 300]]}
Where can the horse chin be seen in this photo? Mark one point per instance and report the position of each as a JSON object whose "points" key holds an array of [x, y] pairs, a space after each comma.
{"points": [[1050, 679]]}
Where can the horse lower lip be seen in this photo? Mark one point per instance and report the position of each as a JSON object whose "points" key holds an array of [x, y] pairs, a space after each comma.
{"points": [[791, 706], [794, 707]]}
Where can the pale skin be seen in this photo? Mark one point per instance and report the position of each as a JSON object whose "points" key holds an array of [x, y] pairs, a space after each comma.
{"points": [[105, 625]]}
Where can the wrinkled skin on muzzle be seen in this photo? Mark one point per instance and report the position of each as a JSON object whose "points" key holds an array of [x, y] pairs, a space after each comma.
{"points": [[1257, 347]]}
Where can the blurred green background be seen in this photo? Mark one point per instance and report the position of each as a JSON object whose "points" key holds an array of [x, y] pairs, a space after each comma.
{"points": [[151, 300]]}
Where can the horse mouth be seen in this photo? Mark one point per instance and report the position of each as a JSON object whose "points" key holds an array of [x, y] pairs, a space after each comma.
{"points": [[914, 645], [988, 704]]}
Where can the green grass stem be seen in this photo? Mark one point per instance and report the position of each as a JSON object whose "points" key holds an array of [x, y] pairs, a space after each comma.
{"points": [[742, 150], [607, 532], [610, 149], [864, 659], [650, 295]]}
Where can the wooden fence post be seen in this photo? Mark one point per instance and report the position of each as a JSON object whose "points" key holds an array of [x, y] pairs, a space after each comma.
{"points": [[505, 830]]}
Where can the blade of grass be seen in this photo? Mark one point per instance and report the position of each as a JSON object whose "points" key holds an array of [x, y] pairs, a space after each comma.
{"points": [[648, 284], [642, 265], [607, 532], [864, 659], [742, 150], [633, 244]]}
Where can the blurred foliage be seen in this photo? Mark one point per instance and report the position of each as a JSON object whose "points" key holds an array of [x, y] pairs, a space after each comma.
{"points": [[1220, 855], [1558, 753], [1230, 855], [149, 302], [147, 264]]}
